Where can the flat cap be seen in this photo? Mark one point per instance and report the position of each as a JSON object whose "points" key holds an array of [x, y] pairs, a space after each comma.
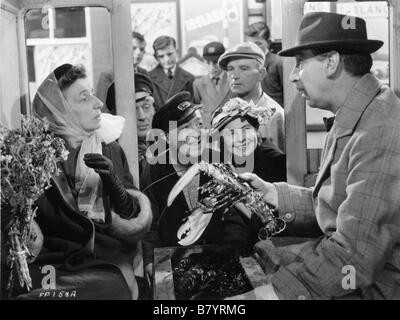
{"points": [[244, 50], [213, 50], [178, 108]]}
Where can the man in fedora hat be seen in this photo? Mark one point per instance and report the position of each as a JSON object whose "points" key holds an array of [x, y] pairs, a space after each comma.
{"points": [[212, 89], [244, 64], [355, 203]]}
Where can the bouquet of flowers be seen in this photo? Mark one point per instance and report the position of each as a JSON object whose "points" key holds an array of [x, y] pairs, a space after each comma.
{"points": [[29, 157]]}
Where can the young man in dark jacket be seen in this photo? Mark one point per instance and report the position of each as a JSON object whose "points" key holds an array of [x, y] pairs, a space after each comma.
{"points": [[168, 78]]}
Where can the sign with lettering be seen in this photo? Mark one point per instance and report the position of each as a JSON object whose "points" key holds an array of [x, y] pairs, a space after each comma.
{"points": [[211, 21]]}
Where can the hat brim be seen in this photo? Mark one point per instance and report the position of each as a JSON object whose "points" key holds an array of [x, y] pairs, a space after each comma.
{"points": [[212, 58], [223, 123], [187, 115], [344, 46]]}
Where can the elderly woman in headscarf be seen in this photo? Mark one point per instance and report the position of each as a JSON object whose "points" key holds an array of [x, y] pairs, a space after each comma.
{"points": [[92, 217]]}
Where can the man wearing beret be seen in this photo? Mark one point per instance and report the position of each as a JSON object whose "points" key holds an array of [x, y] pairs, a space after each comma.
{"points": [[355, 203], [213, 89], [144, 103], [244, 64]]}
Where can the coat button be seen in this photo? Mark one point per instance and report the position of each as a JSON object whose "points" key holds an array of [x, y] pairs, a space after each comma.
{"points": [[288, 216]]}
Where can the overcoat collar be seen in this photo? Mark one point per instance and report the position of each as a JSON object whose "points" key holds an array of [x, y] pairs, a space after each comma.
{"points": [[161, 80], [346, 122]]}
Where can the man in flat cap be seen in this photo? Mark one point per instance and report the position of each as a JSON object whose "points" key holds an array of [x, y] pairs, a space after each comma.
{"points": [[213, 89], [355, 203], [144, 103], [244, 64], [259, 33]]}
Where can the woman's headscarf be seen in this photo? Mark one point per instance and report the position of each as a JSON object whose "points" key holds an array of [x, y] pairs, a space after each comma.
{"points": [[50, 103]]}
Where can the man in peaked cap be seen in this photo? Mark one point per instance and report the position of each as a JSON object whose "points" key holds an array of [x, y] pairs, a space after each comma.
{"points": [[355, 201], [180, 122], [244, 64], [144, 103], [211, 90]]}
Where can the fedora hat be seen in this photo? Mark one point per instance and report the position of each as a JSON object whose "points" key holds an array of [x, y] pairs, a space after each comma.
{"points": [[332, 31]]}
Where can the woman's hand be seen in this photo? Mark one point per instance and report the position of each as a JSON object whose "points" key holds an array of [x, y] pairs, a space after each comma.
{"points": [[120, 199], [266, 189], [101, 164]]}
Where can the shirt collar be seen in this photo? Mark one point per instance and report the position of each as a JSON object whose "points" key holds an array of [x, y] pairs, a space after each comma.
{"points": [[172, 69]]}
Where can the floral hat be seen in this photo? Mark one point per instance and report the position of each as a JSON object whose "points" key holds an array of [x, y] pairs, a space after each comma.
{"points": [[236, 108]]}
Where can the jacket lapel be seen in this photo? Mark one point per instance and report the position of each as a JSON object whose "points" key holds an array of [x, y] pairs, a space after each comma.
{"points": [[346, 120], [210, 88], [327, 159], [62, 185], [160, 79], [180, 79]]}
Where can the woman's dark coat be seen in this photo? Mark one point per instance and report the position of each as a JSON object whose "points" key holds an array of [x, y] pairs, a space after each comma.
{"points": [[85, 256]]}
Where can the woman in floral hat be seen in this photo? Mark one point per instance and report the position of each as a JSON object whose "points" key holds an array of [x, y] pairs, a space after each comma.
{"points": [[91, 217], [234, 128]]}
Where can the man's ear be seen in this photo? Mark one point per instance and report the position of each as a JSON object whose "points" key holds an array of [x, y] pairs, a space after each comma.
{"points": [[262, 72], [155, 55], [332, 63]]}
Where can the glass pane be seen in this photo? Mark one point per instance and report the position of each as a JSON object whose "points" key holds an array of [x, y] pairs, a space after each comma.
{"points": [[70, 23], [92, 49], [36, 22]]}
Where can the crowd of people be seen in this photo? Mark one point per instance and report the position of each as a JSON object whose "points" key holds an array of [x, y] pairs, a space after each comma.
{"points": [[92, 218]]}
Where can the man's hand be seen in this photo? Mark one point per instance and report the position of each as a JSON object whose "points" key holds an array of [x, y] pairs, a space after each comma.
{"points": [[265, 292], [266, 189]]}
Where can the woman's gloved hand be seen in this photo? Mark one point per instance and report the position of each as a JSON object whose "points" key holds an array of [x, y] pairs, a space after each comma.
{"points": [[122, 201]]}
